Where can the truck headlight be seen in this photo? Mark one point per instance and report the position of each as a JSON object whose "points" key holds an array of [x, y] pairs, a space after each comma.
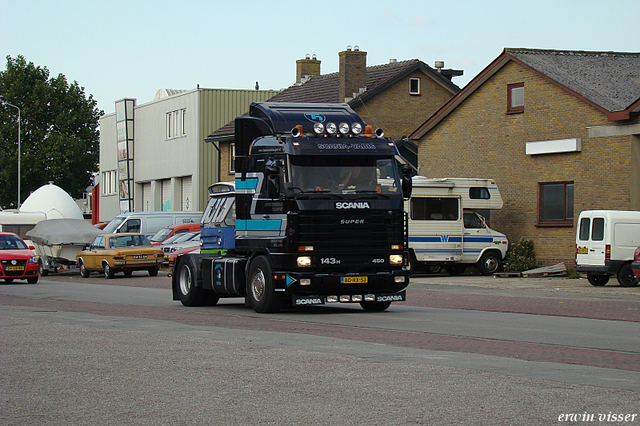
{"points": [[395, 259], [304, 261]]}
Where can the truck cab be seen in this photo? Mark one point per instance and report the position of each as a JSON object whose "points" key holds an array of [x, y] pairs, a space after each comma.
{"points": [[315, 214]]}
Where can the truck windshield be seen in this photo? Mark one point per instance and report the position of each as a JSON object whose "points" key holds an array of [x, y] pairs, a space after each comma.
{"points": [[344, 175]]}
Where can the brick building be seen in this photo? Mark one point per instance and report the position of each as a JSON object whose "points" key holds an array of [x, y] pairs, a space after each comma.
{"points": [[394, 97], [559, 131]]}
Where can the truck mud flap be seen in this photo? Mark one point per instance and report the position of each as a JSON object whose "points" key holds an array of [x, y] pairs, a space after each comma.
{"points": [[349, 298]]}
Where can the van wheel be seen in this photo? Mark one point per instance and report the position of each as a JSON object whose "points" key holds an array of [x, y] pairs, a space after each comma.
{"points": [[489, 264], [598, 280], [260, 290], [626, 277]]}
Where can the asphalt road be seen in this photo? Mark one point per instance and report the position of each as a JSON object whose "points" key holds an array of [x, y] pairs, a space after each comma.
{"points": [[461, 350]]}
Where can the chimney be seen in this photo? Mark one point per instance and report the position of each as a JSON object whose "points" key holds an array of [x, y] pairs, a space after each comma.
{"points": [[307, 67], [352, 73]]}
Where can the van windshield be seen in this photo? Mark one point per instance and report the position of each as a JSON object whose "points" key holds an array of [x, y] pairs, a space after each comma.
{"points": [[113, 225]]}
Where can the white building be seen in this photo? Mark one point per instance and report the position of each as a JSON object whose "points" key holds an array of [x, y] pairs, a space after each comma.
{"points": [[153, 156]]}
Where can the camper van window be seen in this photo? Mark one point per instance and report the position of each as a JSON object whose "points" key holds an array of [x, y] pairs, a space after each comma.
{"points": [[585, 224], [434, 209], [472, 221], [597, 234], [479, 193]]}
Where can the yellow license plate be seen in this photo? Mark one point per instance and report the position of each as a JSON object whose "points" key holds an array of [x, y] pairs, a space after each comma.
{"points": [[354, 280], [583, 250], [15, 268]]}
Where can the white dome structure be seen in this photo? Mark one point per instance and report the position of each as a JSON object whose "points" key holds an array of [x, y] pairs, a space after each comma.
{"points": [[53, 201]]}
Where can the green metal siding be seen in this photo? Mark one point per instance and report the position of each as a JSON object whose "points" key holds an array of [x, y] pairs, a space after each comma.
{"points": [[217, 108]]}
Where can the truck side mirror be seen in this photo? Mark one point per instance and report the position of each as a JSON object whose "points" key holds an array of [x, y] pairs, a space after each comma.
{"points": [[272, 168], [407, 184]]}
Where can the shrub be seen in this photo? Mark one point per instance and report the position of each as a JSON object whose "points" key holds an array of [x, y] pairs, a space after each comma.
{"points": [[520, 257]]}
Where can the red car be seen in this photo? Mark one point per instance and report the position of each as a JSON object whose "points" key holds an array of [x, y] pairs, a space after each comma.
{"points": [[635, 267], [17, 260]]}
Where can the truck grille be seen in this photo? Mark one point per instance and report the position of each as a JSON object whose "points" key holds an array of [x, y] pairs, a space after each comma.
{"points": [[361, 231]]}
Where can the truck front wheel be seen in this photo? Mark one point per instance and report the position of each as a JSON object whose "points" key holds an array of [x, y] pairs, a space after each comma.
{"points": [[489, 263], [260, 291]]}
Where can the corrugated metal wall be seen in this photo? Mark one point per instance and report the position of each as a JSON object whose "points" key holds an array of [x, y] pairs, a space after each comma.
{"points": [[217, 108]]}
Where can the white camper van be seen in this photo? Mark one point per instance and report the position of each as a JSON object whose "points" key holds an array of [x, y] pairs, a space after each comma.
{"points": [[605, 242], [445, 228], [148, 223]]}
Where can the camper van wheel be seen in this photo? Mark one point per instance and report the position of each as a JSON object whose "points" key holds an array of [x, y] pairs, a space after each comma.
{"points": [[455, 269], [84, 272], [260, 291], [598, 280], [626, 277], [489, 264]]}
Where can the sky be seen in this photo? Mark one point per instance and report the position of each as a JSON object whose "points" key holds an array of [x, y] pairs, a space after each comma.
{"points": [[133, 48]]}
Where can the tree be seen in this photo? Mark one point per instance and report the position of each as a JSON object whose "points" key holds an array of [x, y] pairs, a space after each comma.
{"points": [[59, 132]]}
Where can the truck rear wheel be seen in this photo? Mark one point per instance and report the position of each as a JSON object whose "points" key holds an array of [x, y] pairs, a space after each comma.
{"points": [[260, 290], [598, 280], [188, 292], [626, 277]]}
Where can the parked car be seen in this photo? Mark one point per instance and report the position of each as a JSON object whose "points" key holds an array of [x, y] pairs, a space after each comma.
{"points": [[635, 266], [162, 235], [605, 243], [18, 260], [125, 252], [189, 240], [171, 257], [149, 223]]}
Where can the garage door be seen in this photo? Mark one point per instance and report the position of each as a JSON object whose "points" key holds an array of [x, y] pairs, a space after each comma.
{"points": [[146, 197], [166, 195], [187, 196]]}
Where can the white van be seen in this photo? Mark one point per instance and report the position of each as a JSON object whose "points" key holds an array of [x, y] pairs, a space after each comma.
{"points": [[148, 223], [446, 230], [605, 242]]}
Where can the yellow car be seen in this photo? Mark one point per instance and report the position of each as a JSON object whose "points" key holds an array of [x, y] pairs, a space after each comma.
{"points": [[126, 252]]}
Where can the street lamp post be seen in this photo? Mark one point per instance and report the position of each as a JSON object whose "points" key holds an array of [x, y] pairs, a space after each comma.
{"points": [[11, 105]]}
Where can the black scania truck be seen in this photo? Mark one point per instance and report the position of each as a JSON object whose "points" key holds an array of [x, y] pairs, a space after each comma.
{"points": [[315, 215]]}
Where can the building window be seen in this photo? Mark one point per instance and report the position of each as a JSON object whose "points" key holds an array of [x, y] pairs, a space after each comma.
{"points": [[175, 123], [232, 158], [109, 179], [414, 86], [555, 205], [515, 98]]}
